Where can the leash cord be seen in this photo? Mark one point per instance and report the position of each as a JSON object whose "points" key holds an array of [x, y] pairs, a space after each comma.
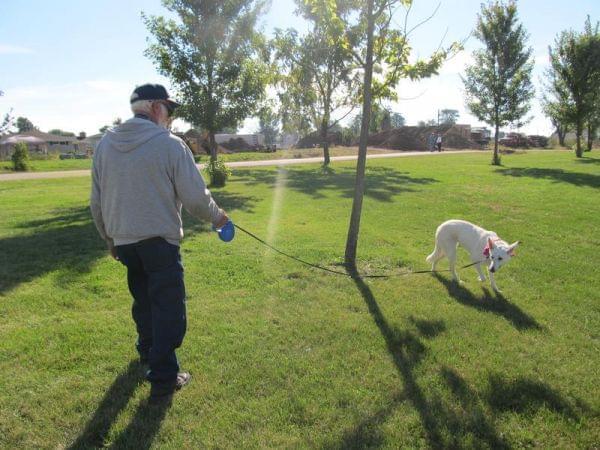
{"points": [[337, 272]]}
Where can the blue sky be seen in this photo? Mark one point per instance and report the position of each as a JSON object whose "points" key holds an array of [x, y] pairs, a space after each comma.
{"points": [[72, 64]]}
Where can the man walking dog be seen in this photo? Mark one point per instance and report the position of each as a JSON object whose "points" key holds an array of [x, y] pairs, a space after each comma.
{"points": [[141, 177]]}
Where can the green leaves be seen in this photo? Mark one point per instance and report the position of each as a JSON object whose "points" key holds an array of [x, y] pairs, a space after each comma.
{"points": [[498, 84], [316, 70], [214, 58], [575, 79]]}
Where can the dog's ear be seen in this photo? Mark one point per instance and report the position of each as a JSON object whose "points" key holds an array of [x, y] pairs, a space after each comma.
{"points": [[511, 248], [490, 244]]}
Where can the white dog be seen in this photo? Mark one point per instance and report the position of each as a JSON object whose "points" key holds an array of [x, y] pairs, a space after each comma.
{"points": [[483, 246]]}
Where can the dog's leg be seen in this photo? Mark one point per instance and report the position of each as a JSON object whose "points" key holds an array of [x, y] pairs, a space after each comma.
{"points": [[451, 254], [480, 272], [493, 282], [435, 256]]}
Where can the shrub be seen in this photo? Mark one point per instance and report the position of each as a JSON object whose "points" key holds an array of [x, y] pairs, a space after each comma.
{"points": [[218, 172], [20, 157]]}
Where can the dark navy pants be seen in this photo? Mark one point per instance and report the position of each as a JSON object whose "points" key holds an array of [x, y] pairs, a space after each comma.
{"points": [[155, 279]]}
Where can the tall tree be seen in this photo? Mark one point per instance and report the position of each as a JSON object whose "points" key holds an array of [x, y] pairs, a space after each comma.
{"points": [[575, 59], [317, 72], [213, 56], [24, 125], [593, 123], [556, 103], [268, 124], [374, 41], [449, 116], [498, 84]]}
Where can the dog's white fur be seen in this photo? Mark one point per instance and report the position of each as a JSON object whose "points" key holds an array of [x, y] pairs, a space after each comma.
{"points": [[474, 239]]}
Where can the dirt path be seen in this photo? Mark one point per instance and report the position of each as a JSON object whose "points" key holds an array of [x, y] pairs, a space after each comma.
{"points": [[271, 162]]}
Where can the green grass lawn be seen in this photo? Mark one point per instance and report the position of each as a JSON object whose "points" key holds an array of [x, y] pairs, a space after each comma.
{"points": [[50, 165], [292, 154], [285, 356], [54, 164]]}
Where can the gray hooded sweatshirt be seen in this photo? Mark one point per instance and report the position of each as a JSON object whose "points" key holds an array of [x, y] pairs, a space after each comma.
{"points": [[141, 176]]}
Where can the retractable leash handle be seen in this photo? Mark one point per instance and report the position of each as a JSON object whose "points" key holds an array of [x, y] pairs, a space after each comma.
{"points": [[226, 232]]}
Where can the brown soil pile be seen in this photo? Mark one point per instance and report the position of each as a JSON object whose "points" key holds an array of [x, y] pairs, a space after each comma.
{"points": [[238, 144], [205, 144], [314, 140], [415, 138]]}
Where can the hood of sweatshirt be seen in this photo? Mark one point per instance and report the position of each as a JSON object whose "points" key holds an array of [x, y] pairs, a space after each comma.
{"points": [[131, 134]]}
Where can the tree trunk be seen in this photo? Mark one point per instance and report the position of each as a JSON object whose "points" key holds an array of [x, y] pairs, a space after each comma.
{"points": [[590, 138], [561, 132], [579, 131], [496, 157], [359, 189], [325, 140], [213, 146]]}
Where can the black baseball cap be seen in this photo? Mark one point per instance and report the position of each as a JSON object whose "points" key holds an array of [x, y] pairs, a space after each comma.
{"points": [[152, 92]]}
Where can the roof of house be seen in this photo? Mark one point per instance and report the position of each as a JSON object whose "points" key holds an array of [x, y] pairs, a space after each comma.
{"points": [[48, 137]]}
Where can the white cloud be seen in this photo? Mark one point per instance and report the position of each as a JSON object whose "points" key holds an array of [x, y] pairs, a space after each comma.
{"points": [[6, 49]]}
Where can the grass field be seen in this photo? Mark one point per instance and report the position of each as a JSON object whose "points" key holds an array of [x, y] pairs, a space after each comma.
{"points": [[50, 165], [54, 164], [285, 356]]}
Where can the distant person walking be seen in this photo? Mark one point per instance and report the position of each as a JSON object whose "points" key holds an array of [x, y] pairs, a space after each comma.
{"points": [[142, 175], [431, 142], [438, 142]]}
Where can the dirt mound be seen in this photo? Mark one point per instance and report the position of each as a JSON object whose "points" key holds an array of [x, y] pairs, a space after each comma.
{"points": [[415, 138], [238, 144], [314, 140]]}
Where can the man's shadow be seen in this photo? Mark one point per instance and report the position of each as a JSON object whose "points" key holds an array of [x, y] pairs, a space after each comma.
{"points": [[142, 429], [495, 304]]}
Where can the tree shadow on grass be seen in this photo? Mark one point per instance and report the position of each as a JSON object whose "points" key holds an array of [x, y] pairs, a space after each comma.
{"points": [[143, 427], [466, 415], [467, 419], [588, 160], [556, 175], [69, 242], [437, 418], [368, 433], [526, 395], [495, 304], [381, 183]]}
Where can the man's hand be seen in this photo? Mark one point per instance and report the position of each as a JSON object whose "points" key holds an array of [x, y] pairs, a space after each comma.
{"points": [[221, 223], [113, 251]]}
